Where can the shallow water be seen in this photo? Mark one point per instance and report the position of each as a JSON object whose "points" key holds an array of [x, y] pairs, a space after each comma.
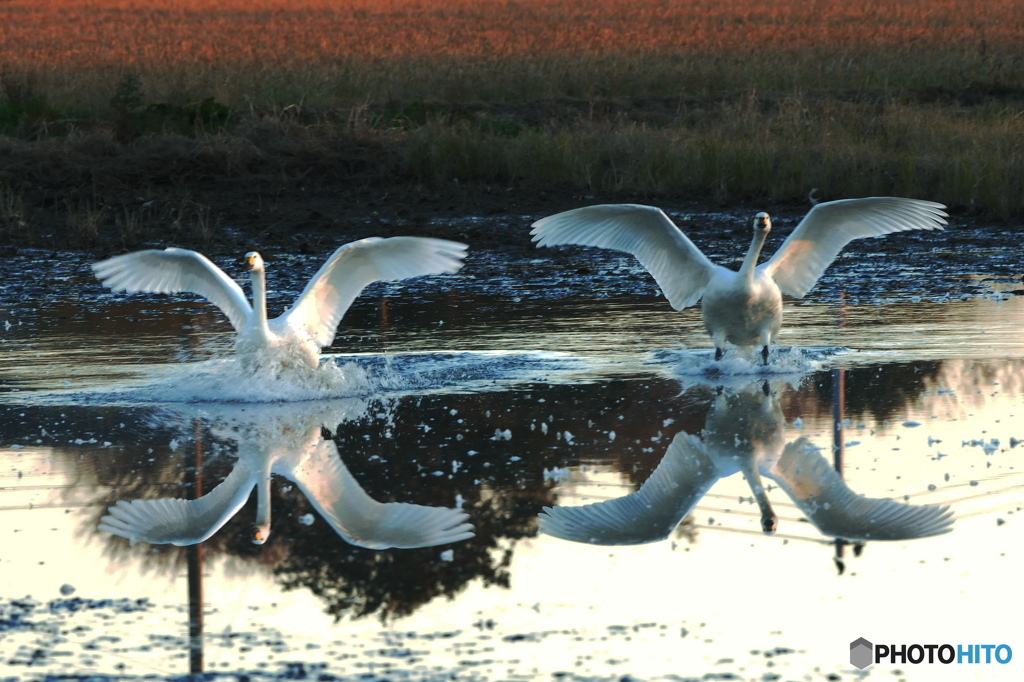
{"points": [[556, 379]]}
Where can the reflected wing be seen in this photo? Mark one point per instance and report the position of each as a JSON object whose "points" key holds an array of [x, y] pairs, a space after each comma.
{"points": [[835, 510], [171, 271], [180, 522], [327, 297], [679, 267], [363, 521], [828, 227], [648, 515]]}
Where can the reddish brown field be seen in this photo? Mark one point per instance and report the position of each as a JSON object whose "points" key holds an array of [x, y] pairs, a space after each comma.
{"points": [[235, 49], [160, 33]]}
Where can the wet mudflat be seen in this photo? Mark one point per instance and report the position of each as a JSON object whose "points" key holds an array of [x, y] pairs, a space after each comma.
{"points": [[532, 379]]}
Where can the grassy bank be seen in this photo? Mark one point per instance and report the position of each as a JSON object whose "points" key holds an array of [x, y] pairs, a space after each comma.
{"points": [[106, 102]]}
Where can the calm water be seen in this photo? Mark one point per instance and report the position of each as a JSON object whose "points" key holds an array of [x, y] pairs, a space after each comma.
{"points": [[532, 379]]}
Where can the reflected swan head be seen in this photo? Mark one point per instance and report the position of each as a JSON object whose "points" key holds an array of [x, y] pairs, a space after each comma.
{"points": [[254, 262], [762, 223], [260, 533]]}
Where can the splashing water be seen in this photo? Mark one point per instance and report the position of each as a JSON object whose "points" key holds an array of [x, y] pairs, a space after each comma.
{"points": [[228, 380], [744, 363], [222, 380]]}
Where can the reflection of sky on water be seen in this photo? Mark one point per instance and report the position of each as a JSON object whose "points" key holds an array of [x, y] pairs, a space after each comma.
{"points": [[932, 408]]}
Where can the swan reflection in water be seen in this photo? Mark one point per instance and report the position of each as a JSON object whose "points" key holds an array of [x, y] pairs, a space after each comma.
{"points": [[743, 432], [279, 440]]}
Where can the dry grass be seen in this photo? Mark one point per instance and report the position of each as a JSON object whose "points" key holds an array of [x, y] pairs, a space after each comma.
{"points": [[13, 217], [722, 98], [750, 151]]}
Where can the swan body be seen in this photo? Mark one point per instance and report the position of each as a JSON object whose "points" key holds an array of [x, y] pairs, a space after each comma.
{"points": [[296, 337], [742, 307], [743, 432], [303, 456]]}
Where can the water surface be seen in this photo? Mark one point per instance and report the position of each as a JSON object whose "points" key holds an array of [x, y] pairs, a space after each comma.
{"points": [[556, 378]]}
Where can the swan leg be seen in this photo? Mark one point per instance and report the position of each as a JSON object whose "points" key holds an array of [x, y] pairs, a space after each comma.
{"points": [[719, 352], [764, 356]]}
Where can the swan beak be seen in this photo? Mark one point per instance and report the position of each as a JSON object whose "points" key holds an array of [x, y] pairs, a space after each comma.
{"points": [[260, 535], [253, 260]]}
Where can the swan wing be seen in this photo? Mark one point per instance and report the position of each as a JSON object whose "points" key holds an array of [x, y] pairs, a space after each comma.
{"points": [[651, 513], [363, 521], [171, 271], [676, 264], [835, 510], [828, 227], [351, 268], [180, 522]]}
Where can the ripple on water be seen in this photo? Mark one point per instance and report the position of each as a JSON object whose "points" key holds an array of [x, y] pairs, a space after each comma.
{"points": [[339, 376]]}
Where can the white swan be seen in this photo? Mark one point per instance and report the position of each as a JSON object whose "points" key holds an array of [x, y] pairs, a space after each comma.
{"points": [[296, 337], [743, 308], [743, 432], [303, 456]]}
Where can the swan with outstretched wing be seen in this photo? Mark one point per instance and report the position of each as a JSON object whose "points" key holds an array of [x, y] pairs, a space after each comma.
{"points": [[742, 307], [296, 337]]}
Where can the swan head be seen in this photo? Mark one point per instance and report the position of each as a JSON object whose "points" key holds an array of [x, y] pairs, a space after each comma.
{"points": [[769, 522], [254, 262], [260, 533], [762, 223]]}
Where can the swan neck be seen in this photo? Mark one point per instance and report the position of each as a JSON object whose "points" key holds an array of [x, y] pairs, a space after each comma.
{"points": [[753, 254], [261, 528], [263, 500], [768, 519], [259, 298]]}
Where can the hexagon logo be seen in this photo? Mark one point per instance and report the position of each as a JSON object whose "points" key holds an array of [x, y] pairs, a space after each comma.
{"points": [[861, 651]]}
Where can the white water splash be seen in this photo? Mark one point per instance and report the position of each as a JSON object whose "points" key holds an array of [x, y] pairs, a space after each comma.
{"points": [[744, 364], [339, 376]]}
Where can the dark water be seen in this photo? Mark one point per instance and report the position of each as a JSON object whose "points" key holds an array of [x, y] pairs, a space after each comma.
{"points": [[545, 379]]}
